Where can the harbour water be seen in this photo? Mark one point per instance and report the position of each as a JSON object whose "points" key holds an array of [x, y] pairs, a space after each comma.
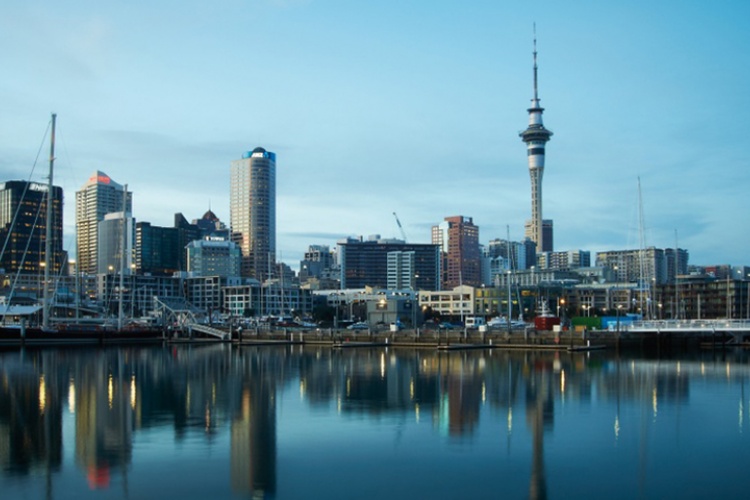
{"points": [[223, 421]]}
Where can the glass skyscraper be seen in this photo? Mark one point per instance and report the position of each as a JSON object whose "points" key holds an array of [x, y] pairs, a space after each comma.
{"points": [[252, 211]]}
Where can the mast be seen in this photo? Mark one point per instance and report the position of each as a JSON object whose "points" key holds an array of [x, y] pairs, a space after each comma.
{"points": [[48, 229], [641, 257], [510, 269], [123, 253]]}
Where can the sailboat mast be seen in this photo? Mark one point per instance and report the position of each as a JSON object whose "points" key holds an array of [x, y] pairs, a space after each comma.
{"points": [[510, 270], [48, 229], [123, 253]]}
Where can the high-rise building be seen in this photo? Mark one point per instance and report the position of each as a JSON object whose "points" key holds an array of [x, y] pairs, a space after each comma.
{"points": [[252, 211], [370, 262], [111, 257], [23, 225], [157, 250], [536, 136], [458, 239], [97, 198]]}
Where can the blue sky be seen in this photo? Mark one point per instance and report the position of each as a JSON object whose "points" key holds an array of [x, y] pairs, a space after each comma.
{"points": [[408, 107]]}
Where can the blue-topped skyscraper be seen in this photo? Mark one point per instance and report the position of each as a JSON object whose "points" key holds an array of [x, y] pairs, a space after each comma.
{"points": [[535, 137], [252, 211]]}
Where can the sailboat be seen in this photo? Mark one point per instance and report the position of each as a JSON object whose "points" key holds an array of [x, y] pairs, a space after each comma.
{"points": [[62, 332]]}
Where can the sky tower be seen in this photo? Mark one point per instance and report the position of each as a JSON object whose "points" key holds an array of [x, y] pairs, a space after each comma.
{"points": [[535, 137]]}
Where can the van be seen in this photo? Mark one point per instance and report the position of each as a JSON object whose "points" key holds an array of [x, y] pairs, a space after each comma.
{"points": [[475, 321]]}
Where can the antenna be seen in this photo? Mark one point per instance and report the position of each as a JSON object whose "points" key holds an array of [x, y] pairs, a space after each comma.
{"points": [[536, 95]]}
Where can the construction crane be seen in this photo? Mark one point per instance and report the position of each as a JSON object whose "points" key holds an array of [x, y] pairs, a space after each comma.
{"points": [[403, 234]]}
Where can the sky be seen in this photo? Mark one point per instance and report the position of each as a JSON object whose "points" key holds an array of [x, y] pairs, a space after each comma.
{"points": [[391, 106]]}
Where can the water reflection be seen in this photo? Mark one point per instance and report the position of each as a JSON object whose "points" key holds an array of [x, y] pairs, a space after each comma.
{"points": [[220, 392]]}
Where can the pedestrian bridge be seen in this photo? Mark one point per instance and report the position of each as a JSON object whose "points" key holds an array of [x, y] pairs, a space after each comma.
{"points": [[738, 329]]}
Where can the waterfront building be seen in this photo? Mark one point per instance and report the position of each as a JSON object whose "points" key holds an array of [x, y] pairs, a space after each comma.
{"points": [[536, 136], [650, 266], [458, 239], [365, 263], [703, 297], [454, 304], [111, 236], [138, 292], [213, 257], [252, 211], [242, 300], [157, 250], [97, 198], [23, 226]]}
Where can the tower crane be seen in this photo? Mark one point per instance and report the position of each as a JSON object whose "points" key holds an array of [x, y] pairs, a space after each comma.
{"points": [[403, 234]]}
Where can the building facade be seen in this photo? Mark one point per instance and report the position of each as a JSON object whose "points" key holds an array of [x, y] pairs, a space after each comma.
{"points": [[458, 239], [23, 226], [213, 258], [157, 250], [97, 198], [650, 266], [365, 263], [252, 211], [111, 257]]}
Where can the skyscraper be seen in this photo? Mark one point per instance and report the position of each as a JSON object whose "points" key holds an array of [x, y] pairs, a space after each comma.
{"points": [[97, 198], [23, 224], [252, 211], [536, 137], [117, 229], [458, 238]]}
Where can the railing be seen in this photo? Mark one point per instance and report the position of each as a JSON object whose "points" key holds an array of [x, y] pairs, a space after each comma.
{"points": [[688, 325]]}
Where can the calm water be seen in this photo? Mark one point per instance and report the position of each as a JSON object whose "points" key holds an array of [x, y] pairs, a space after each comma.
{"points": [[219, 421]]}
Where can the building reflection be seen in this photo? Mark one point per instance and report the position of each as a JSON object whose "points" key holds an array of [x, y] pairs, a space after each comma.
{"points": [[110, 395], [253, 430]]}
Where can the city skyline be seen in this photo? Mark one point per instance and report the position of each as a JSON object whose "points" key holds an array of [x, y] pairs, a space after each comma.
{"points": [[375, 109]]}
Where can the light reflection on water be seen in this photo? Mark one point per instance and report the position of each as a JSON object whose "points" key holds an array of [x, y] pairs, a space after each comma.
{"points": [[288, 422]]}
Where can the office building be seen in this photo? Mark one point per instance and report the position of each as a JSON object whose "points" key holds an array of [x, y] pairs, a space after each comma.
{"points": [[213, 257], [111, 257], [571, 259], [252, 211], [97, 198], [317, 262], [365, 263], [650, 266], [548, 234], [458, 239], [23, 226], [157, 250]]}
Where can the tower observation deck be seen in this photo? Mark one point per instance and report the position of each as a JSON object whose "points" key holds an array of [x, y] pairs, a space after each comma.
{"points": [[536, 137]]}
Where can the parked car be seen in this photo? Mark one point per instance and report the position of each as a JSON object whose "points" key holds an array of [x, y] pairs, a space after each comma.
{"points": [[358, 326], [445, 326]]}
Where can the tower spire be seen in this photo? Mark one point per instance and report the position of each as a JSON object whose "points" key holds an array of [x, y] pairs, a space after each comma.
{"points": [[536, 136], [536, 93]]}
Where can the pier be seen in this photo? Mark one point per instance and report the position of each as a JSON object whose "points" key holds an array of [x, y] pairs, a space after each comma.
{"points": [[737, 329]]}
